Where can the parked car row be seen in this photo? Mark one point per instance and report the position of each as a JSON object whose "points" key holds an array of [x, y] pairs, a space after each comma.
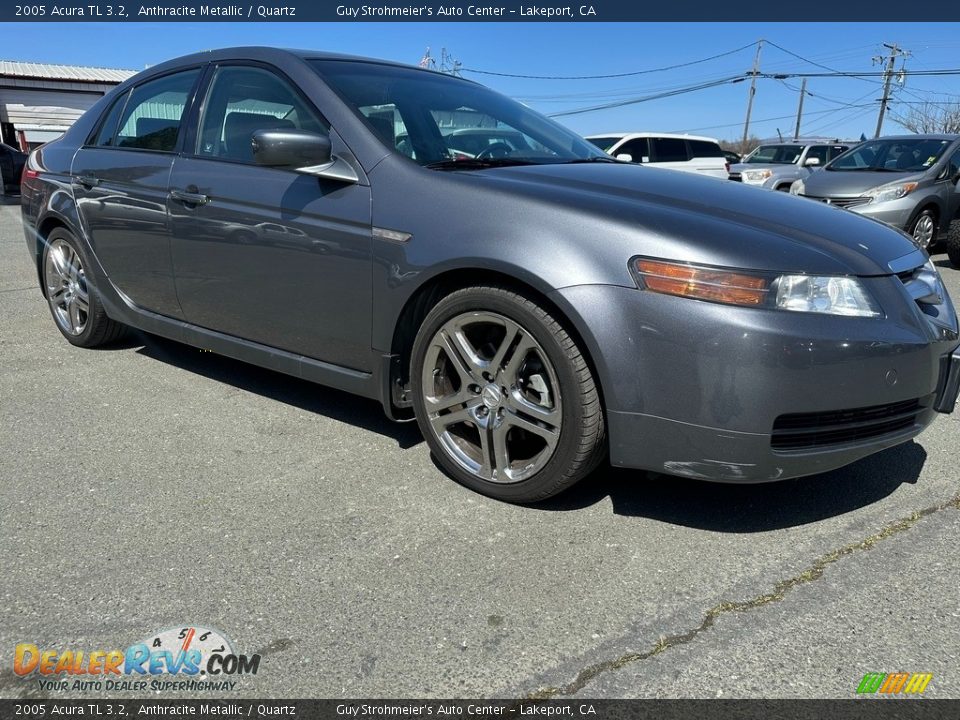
{"points": [[911, 182], [535, 306]]}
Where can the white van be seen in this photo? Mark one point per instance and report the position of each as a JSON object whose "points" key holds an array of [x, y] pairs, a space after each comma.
{"points": [[690, 153]]}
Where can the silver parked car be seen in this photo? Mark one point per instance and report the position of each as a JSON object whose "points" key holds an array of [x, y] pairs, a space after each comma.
{"points": [[909, 182], [777, 165]]}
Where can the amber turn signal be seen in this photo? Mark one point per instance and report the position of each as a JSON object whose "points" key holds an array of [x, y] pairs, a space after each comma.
{"points": [[723, 286]]}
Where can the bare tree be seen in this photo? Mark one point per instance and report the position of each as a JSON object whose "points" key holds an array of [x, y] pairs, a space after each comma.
{"points": [[932, 118], [738, 146]]}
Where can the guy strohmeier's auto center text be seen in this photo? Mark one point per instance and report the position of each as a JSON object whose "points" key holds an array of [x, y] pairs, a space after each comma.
{"points": [[451, 11]]}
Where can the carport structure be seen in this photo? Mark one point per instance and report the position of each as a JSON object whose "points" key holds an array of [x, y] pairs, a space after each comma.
{"points": [[39, 101]]}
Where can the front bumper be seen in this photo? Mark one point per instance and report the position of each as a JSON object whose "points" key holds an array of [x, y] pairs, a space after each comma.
{"points": [[896, 213], [697, 389]]}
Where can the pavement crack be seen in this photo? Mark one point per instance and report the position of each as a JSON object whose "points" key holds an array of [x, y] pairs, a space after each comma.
{"points": [[779, 592]]}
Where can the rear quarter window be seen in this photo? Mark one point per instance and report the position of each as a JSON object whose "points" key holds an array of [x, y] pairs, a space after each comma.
{"points": [[704, 148]]}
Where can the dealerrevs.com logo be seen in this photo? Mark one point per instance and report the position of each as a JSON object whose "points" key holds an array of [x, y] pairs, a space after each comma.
{"points": [[185, 658]]}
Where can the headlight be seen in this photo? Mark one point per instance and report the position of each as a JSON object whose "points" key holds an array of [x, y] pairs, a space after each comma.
{"points": [[824, 294], [797, 187], [755, 177], [830, 295], [894, 191]]}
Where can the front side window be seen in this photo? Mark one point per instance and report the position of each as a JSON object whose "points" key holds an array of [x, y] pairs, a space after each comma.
{"points": [[152, 117], [952, 170], [433, 118], [242, 100], [638, 149]]}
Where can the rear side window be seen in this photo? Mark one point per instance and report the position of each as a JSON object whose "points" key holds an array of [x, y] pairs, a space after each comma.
{"points": [[154, 113], [703, 148], [108, 128], [243, 100], [669, 150]]}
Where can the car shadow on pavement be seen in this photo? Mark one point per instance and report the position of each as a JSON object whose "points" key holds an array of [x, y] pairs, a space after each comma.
{"points": [[302, 394], [9, 199], [746, 508]]}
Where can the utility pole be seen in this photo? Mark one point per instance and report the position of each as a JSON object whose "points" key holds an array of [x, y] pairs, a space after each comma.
{"points": [[803, 91], [753, 91], [895, 52]]}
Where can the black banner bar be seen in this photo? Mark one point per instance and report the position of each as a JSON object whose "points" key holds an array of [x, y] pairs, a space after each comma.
{"points": [[469, 11], [860, 709]]}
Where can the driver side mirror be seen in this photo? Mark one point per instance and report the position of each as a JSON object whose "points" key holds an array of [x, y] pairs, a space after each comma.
{"points": [[811, 162], [624, 157], [301, 151]]}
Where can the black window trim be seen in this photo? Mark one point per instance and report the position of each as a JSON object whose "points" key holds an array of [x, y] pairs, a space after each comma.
{"points": [[203, 93], [188, 106], [91, 140]]}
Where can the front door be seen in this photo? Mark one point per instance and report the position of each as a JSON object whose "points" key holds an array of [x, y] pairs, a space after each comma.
{"points": [[269, 255]]}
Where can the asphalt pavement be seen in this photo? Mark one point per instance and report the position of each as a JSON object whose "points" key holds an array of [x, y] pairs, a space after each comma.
{"points": [[151, 485]]}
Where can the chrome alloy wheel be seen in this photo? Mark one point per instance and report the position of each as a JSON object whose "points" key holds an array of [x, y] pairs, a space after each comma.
{"points": [[492, 397], [923, 231], [66, 286]]}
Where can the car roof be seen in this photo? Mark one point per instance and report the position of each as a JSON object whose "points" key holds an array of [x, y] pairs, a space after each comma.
{"points": [[921, 136], [267, 54], [632, 135]]}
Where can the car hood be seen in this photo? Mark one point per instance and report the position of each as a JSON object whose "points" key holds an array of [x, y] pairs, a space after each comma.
{"points": [[839, 183], [701, 219]]}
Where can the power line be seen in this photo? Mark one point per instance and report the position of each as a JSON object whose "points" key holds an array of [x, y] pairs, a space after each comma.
{"points": [[647, 98], [771, 119], [614, 75]]}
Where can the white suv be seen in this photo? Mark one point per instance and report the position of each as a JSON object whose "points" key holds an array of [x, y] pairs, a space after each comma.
{"points": [[690, 153]]}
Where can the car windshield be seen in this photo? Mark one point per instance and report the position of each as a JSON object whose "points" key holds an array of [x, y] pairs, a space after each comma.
{"points": [[775, 154], [900, 155], [439, 121], [605, 143]]}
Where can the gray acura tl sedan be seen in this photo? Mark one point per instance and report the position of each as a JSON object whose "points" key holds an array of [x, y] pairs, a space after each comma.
{"points": [[535, 308]]}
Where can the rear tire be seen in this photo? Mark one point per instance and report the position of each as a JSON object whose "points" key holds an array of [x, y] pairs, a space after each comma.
{"points": [[504, 397], [73, 300]]}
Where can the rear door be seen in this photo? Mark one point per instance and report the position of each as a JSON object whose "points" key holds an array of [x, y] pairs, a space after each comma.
{"points": [[707, 158], [267, 254], [120, 180]]}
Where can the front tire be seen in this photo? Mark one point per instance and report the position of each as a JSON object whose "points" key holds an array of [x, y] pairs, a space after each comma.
{"points": [[953, 244], [924, 229], [72, 298], [504, 397]]}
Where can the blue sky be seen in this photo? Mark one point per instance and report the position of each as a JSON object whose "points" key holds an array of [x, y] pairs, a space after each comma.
{"points": [[579, 49]]}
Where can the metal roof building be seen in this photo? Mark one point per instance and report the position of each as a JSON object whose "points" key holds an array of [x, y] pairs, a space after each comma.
{"points": [[38, 101]]}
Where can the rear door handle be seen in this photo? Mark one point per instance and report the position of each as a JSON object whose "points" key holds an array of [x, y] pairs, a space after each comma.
{"points": [[190, 198], [87, 181]]}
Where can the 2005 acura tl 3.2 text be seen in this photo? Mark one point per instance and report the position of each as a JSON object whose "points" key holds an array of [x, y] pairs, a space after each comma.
{"points": [[535, 304]]}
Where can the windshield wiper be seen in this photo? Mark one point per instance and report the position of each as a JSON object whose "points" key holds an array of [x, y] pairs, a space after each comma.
{"points": [[594, 159], [477, 164]]}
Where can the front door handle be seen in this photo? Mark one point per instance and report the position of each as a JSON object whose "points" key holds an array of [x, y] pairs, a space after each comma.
{"points": [[86, 181], [190, 198]]}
